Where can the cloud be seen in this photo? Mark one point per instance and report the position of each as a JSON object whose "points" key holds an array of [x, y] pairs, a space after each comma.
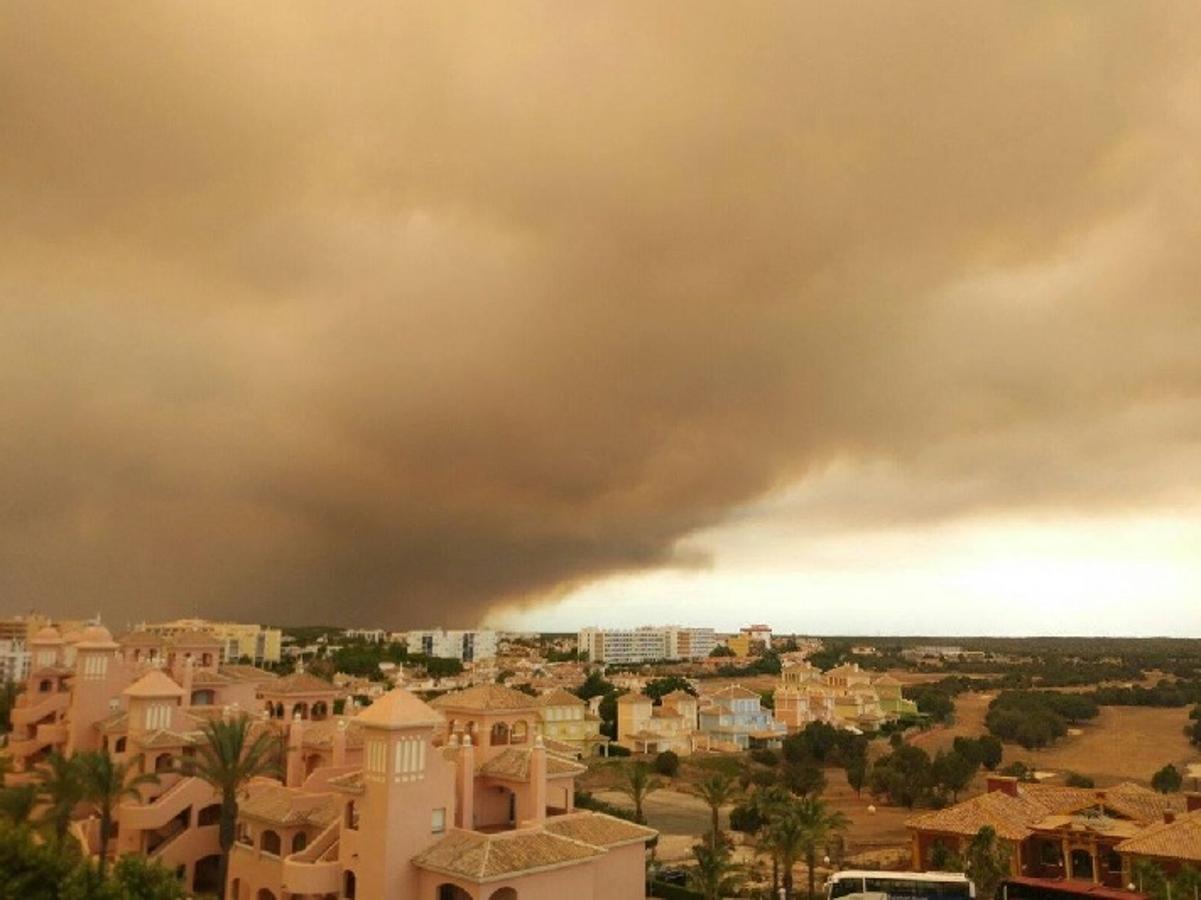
{"points": [[417, 313]]}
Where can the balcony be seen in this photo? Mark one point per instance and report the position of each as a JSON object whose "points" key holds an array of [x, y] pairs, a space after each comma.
{"points": [[37, 707], [158, 812], [315, 869], [52, 733]]}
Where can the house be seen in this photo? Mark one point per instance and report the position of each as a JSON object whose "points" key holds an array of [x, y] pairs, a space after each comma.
{"points": [[460, 802], [565, 720], [644, 727], [1070, 838], [846, 696], [733, 718]]}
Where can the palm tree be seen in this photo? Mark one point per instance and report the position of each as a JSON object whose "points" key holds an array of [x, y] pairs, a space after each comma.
{"points": [[6, 766], [765, 804], [785, 836], [105, 784], [638, 785], [714, 868], [230, 753], [717, 790], [820, 823], [17, 802], [58, 783]]}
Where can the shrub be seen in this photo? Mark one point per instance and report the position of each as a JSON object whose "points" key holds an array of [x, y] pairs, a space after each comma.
{"points": [[1076, 780], [667, 763]]}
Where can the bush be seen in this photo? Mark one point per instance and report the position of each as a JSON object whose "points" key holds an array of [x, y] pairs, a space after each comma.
{"points": [[765, 757], [618, 750], [667, 763], [1076, 780], [1167, 780]]}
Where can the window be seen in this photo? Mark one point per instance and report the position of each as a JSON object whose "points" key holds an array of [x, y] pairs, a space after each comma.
{"points": [[269, 843], [352, 816], [438, 820], [299, 842]]}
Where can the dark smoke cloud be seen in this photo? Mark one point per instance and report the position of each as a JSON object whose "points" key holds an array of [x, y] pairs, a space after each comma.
{"points": [[403, 313]]}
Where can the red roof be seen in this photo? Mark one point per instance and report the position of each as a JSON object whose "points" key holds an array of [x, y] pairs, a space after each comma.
{"points": [[1077, 888]]}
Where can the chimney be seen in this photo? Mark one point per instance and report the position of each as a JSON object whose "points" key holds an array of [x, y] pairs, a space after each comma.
{"points": [[465, 777], [1006, 784], [295, 763], [538, 781], [1192, 801], [338, 744]]}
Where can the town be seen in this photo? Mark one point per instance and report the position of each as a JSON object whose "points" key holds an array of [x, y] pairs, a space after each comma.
{"points": [[661, 761]]}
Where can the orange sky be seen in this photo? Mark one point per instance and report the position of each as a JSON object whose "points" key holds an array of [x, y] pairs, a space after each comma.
{"points": [[440, 312]]}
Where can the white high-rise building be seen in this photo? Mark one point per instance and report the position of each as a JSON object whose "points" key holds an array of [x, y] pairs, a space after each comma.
{"points": [[14, 660], [645, 643], [466, 646]]}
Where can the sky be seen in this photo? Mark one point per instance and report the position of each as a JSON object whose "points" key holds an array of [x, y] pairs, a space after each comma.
{"points": [[853, 318]]}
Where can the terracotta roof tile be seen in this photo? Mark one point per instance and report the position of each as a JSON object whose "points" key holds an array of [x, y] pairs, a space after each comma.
{"points": [[272, 802], [487, 857], [485, 698], [1180, 839], [599, 829]]}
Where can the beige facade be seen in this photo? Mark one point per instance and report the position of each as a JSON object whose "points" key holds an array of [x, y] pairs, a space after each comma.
{"points": [[644, 727], [846, 697], [238, 640]]}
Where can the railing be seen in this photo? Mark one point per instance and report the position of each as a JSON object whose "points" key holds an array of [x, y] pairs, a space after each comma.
{"points": [[315, 869], [47, 704], [167, 805]]}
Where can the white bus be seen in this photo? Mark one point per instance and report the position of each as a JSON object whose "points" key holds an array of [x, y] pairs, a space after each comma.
{"points": [[899, 885]]}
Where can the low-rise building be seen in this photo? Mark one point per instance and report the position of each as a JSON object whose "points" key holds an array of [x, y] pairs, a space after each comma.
{"points": [[238, 641], [14, 660], [734, 719], [644, 727], [846, 697]]}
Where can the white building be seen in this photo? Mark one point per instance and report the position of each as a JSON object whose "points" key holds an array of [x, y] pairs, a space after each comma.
{"points": [[370, 635], [645, 643], [14, 661], [466, 646]]}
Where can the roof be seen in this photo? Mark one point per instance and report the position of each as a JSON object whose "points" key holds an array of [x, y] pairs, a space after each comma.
{"points": [[399, 709], [47, 635], [1180, 839], [321, 734], [737, 692], [194, 637], [161, 738], [154, 684], [351, 782], [279, 805], [514, 765], [677, 694], [488, 857], [485, 698], [559, 697], [598, 829], [141, 639], [300, 683], [1041, 806], [52, 672], [247, 673], [205, 677]]}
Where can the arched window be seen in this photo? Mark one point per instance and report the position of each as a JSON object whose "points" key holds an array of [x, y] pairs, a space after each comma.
{"points": [[209, 815], [264, 894], [320, 710], [203, 697], [45, 686], [448, 891], [300, 709], [348, 885], [279, 710], [269, 842], [119, 746], [299, 841], [505, 893], [206, 659], [520, 733], [162, 763], [352, 816], [270, 708], [235, 889], [500, 734]]}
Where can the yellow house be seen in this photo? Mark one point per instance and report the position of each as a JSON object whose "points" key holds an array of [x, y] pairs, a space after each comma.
{"points": [[564, 718]]}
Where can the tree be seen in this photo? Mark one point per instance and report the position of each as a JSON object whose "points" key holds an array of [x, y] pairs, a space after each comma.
{"points": [[1076, 780], [717, 790], [1167, 780], [953, 772], [785, 839], [105, 783], [991, 751], [1196, 736], [819, 823], [32, 870], [712, 876], [944, 859], [638, 785], [17, 803], [905, 775], [59, 785], [803, 778], [857, 772], [986, 862], [761, 808], [661, 687], [721, 651], [667, 763], [143, 879], [230, 753]]}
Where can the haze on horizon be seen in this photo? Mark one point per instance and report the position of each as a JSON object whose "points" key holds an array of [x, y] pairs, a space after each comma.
{"points": [[846, 317]]}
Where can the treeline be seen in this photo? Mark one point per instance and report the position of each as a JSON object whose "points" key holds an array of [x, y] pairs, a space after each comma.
{"points": [[1036, 718], [909, 776], [363, 659]]}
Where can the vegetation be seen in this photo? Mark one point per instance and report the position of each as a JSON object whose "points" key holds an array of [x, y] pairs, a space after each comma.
{"points": [[230, 753], [712, 876], [661, 687], [986, 862], [717, 790], [638, 783], [1036, 718], [105, 783], [8, 699], [1167, 780], [1076, 780], [667, 763], [60, 786]]}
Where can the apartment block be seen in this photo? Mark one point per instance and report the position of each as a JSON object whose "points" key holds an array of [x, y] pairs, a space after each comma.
{"points": [[14, 660], [645, 643], [238, 640], [466, 646]]}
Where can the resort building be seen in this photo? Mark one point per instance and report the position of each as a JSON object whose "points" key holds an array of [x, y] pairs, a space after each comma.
{"points": [[1074, 839], [846, 697], [14, 660], [734, 719], [643, 727]]}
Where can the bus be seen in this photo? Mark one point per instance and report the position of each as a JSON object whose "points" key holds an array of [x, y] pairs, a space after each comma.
{"points": [[879, 885]]}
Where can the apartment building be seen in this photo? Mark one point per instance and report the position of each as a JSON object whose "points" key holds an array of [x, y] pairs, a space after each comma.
{"points": [[645, 643], [846, 697], [238, 640], [14, 660], [370, 635], [465, 646]]}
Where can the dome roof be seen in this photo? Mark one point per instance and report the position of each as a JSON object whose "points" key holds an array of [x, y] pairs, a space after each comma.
{"points": [[47, 635], [96, 634]]}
